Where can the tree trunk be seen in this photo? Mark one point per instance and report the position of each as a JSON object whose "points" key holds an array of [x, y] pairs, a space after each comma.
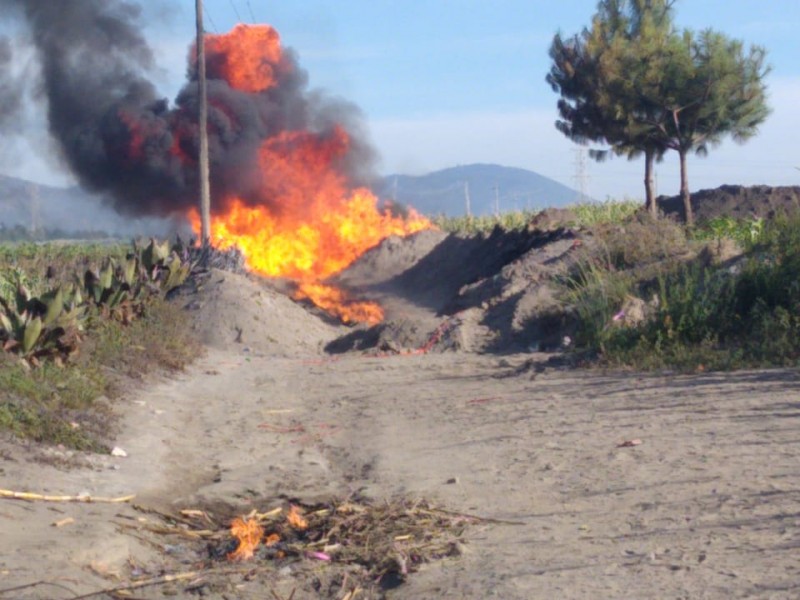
{"points": [[687, 197], [650, 202]]}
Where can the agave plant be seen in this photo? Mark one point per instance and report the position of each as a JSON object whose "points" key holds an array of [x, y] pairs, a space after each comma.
{"points": [[51, 324], [121, 289], [165, 267], [116, 290], [46, 326]]}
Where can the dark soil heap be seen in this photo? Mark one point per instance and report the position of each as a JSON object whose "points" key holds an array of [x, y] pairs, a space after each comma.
{"points": [[736, 201]]}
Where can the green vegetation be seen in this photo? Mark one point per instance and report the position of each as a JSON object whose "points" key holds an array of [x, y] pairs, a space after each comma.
{"points": [[635, 83], [745, 232], [510, 221], [70, 340], [585, 214], [588, 214], [694, 314]]}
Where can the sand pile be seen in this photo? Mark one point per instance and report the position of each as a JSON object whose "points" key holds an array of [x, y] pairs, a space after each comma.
{"points": [[483, 293], [252, 314]]}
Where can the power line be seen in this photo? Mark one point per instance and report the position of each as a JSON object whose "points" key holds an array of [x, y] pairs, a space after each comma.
{"points": [[210, 20], [250, 8], [236, 10]]}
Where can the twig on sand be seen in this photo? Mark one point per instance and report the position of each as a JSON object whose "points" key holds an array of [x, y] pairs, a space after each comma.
{"points": [[35, 584], [163, 579], [277, 429], [42, 498], [468, 517]]}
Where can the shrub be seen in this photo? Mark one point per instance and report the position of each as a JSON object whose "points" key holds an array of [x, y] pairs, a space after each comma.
{"points": [[714, 317]]}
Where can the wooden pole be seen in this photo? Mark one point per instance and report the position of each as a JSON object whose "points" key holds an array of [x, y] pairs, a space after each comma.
{"points": [[205, 188]]}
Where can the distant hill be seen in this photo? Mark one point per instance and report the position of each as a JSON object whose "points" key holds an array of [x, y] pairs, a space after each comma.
{"points": [[41, 207], [445, 191]]}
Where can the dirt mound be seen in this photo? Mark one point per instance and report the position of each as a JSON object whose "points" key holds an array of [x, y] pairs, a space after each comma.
{"points": [[393, 256], [736, 201], [247, 313], [484, 293]]}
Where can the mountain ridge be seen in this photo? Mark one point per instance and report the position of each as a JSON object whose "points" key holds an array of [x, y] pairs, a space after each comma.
{"points": [[487, 187]]}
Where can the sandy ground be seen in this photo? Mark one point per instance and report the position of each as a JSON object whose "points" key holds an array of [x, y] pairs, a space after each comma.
{"points": [[706, 507]]}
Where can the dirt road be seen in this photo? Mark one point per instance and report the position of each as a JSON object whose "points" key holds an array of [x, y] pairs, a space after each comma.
{"points": [[707, 506]]}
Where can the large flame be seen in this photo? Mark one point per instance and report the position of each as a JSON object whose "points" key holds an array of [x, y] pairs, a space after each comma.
{"points": [[247, 56], [315, 224]]}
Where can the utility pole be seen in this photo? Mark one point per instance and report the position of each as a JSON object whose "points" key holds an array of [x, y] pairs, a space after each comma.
{"points": [[466, 199], [205, 188], [35, 208]]}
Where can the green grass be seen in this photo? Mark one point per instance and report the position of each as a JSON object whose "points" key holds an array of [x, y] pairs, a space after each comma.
{"points": [[48, 404], [589, 214], [509, 221], [745, 232]]}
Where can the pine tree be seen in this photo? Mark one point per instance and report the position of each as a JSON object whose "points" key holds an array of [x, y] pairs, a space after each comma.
{"points": [[714, 89], [603, 76], [634, 83]]}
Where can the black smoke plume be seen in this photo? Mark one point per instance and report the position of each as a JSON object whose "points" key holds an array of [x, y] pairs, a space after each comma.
{"points": [[120, 138]]}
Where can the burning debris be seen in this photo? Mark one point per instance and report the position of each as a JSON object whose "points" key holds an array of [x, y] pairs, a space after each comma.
{"points": [[391, 538], [385, 541], [289, 167]]}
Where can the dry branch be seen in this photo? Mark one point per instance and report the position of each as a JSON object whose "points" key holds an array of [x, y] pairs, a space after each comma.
{"points": [[135, 585], [30, 497]]}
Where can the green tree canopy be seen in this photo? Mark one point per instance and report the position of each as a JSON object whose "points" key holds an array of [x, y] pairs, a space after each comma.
{"points": [[716, 89], [634, 83], [603, 74]]}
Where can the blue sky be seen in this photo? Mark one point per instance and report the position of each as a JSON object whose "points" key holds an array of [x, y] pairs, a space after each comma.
{"points": [[448, 82]]}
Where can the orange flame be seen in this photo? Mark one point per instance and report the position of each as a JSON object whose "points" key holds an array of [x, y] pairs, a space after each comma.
{"points": [[336, 302], [314, 225], [248, 56], [296, 519], [249, 534]]}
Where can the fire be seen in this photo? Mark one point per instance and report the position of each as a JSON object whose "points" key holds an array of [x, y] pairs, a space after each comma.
{"points": [[336, 302], [246, 57], [295, 519], [249, 534], [308, 223]]}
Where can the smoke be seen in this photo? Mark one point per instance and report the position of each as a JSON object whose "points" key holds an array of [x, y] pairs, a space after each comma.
{"points": [[11, 92], [120, 138]]}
